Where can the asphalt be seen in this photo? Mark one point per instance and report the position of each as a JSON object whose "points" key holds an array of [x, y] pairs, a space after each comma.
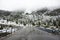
{"points": [[32, 33]]}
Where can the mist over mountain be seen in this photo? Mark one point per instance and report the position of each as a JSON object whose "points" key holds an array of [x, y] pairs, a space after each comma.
{"points": [[20, 13], [4, 13], [54, 12]]}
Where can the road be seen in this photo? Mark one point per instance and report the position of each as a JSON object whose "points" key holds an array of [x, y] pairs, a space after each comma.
{"points": [[32, 33]]}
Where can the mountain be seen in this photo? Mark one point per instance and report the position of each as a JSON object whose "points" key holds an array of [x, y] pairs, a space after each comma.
{"points": [[4, 13], [54, 12]]}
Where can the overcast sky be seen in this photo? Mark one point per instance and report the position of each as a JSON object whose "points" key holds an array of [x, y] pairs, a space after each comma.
{"points": [[28, 4]]}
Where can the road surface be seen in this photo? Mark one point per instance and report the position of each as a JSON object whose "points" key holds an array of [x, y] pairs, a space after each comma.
{"points": [[32, 33]]}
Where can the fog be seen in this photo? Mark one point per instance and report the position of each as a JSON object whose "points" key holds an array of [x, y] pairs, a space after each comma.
{"points": [[28, 4]]}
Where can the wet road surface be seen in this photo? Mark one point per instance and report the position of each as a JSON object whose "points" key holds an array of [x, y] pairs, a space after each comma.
{"points": [[32, 33]]}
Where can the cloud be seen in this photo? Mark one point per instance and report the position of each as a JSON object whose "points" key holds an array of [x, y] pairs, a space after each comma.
{"points": [[27, 4]]}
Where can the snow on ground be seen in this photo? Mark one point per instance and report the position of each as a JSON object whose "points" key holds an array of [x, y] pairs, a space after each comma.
{"points": [[8, 30]]}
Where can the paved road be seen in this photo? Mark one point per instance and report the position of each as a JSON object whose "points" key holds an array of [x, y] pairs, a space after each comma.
{"points": [[56, 32], [32, 33]]}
